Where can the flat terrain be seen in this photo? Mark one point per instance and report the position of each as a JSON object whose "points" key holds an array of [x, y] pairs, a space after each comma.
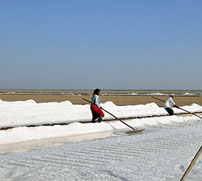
{"points": [[56, 96], [163, 152], [160, 152]]}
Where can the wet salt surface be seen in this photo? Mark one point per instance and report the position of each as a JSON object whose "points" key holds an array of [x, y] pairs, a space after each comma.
{"points": [[162, 152]]}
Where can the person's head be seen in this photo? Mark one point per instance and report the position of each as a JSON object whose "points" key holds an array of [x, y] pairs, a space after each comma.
{"points": [[171, 95], [97, 92]]}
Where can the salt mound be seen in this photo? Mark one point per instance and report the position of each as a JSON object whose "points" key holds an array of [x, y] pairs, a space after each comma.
{"points": [[196, 106], [30, 101], [68, 103], [109, 104], [152, 105]]}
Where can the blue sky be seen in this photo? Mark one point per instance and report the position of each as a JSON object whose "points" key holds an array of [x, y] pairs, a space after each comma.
{"points": [[110, 44]]}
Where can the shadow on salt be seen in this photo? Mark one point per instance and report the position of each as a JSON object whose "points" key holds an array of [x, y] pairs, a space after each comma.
{"points": [[120, 128]]}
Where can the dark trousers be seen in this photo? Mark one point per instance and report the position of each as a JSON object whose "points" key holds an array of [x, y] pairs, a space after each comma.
{"points": [[169, 110]]}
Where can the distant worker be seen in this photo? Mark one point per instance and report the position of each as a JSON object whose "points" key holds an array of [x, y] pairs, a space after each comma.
{"points": [[95, 106], [169, 104]]}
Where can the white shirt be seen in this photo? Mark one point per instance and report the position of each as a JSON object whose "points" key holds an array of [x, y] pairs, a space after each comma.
{"points": [[169, 102], [96, 100]]}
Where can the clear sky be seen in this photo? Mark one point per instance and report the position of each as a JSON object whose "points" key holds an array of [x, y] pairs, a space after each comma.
{"points": [[109, 44]]}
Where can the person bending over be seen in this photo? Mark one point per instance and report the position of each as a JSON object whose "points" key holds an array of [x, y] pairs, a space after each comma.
{"points": [[169, 104], [95, 106]]}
